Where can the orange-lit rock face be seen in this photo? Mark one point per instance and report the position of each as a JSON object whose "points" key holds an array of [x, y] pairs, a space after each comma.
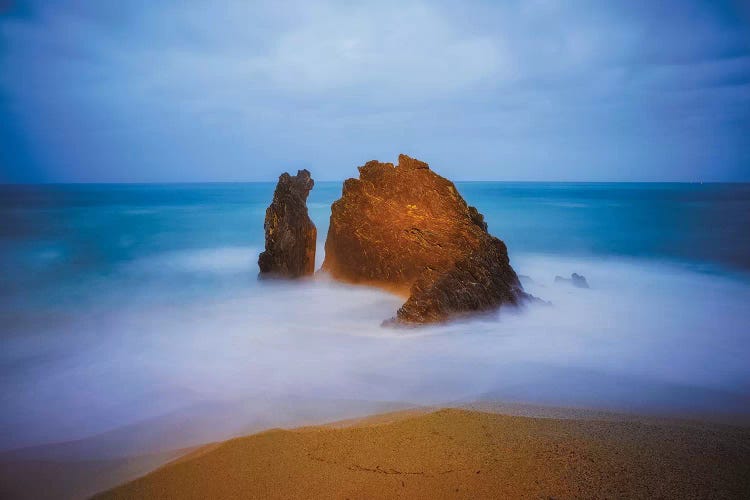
{"points": [[407, 229], [290, 233]]}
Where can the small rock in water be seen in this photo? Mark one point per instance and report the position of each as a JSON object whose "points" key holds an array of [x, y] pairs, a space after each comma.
{"points": [[575, 279], [290, 233]]}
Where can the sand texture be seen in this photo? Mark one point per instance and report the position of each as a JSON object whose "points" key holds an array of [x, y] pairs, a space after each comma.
{"points": [[457, 453]]}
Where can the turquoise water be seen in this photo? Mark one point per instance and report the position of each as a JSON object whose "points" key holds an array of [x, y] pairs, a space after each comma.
{"points": [[51, 234], [125, 302]]}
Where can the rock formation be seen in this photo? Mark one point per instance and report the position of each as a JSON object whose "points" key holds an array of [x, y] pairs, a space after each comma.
{"points": [[406, 229], [290, 234], [575, 279]]}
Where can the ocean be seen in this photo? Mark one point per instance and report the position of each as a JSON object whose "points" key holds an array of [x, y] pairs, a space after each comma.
{"points": [[121, 304]]}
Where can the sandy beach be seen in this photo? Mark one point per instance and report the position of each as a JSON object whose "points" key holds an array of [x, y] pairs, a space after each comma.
{"points": [[462, 453]]}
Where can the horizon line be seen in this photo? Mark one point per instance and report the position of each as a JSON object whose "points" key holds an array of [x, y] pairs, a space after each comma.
{"points": [[146, 183]]}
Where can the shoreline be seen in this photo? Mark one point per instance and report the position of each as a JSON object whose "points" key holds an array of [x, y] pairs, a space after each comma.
{"points": [[535, 435], [466, 454]]}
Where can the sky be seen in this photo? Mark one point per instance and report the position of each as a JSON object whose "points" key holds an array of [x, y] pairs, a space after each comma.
{"points": [[236, 90]]}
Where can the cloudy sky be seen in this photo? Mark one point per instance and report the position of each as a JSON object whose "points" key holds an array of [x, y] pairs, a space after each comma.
{"points": [[144, 91]]}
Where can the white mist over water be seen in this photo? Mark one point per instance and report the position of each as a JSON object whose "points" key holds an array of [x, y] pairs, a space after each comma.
{"points": [[647, 337]]}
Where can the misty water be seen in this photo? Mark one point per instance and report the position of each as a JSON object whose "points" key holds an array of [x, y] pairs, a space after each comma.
{"points": [[125, 304]]}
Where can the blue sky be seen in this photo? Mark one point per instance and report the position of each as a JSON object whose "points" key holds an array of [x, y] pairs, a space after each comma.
{"points": [[234, 90]]}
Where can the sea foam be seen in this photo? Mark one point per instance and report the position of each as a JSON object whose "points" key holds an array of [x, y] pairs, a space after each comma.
{"points": [[646, 337]]}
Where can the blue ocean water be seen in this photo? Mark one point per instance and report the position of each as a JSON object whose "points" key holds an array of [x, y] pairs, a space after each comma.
{"points": [[52, 234], [119, 303]]}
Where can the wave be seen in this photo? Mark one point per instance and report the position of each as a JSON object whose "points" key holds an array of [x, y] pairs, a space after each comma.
{"points": [[220, 260], [647, 336]]}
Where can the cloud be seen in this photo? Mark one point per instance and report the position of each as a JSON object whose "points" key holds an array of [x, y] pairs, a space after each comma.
{"points": [[414, 49], [519, 89]]}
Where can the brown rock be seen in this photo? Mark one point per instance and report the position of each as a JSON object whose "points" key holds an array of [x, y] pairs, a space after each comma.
{"points": [[290, 233], [406, 229]]}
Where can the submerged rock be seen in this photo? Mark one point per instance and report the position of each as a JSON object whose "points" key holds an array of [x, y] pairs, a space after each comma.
{"points": [[406, 229], [526, 280], [575, 280], [290, 233]]}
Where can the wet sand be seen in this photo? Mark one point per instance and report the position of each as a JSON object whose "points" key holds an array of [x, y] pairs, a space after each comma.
{"points": [[56, 479], [464, 453], [80, 468]]}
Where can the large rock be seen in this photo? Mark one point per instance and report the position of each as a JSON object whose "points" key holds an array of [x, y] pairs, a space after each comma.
{"points": [[406, 229], [290, 233]]}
